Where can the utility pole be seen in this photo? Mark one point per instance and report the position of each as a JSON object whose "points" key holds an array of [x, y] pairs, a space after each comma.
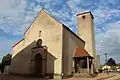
{"points": [[106, 63]]}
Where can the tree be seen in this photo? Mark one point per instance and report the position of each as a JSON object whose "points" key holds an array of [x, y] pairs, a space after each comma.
{"points": [[111, 62], [6, 60], [0, 66]]}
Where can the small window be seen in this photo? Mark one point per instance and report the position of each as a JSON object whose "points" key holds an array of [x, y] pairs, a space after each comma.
{"points": [[83, 17], [39, 33]]}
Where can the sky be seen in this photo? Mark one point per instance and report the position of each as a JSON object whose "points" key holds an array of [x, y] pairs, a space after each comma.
{"points": [[17, 15]]}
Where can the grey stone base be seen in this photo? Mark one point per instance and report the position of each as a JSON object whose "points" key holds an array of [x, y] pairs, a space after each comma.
{"points": [[58, 76]]}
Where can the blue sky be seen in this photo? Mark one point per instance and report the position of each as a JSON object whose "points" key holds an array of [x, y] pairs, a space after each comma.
{"points": [[16, 16]]}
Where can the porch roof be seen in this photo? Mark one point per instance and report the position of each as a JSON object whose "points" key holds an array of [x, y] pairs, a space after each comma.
{"points": [[81, 52]]}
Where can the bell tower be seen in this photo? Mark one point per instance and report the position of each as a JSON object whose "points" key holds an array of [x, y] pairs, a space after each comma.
{"points": [[85, 30]]}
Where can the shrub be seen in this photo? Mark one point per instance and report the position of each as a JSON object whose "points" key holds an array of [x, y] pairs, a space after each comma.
{"points": [[93, 75], [100, 70]]}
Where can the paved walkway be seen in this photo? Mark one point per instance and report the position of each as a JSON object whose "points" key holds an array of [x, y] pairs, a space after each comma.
{"points": [[15, 77], [117, 77], [101, 76], [11, 77]]}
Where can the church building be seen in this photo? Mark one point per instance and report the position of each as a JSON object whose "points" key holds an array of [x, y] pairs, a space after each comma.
{"points": [[50, 49]]}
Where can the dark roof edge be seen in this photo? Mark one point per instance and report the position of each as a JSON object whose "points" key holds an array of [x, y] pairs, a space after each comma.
{"points": [[73, 33], [18, 42], [86, 13], [83, 56], [34, 21]]}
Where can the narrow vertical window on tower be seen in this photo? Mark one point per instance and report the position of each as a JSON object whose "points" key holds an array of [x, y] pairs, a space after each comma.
{"points": [[83, 17], [39, 33]]}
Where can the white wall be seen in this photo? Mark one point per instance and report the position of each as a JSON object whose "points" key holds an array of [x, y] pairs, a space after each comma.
{"points": [[17, 48], [51, 34]]}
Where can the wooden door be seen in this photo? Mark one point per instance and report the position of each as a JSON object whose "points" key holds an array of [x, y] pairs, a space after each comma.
{"points": [[38, 65]]}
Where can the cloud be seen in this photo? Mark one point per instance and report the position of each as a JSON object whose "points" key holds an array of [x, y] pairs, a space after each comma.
{"points": [[12, 15], [21, 13], [109, 4], [100, 9], [6, 44], [103, 15], [17, 15], [81, 5], [109, 42], [59, 11], [105, 19]]}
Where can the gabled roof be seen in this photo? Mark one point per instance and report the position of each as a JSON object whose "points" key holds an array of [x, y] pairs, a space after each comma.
{"points": [[81, 52], [55, 20], [33, 21], [38, 15]]}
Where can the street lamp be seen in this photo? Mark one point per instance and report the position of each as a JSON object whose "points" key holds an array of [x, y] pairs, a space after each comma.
{"points": [[106, 62]]}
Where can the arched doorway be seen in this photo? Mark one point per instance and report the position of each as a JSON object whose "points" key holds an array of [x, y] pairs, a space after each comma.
{"points": [[38, 65]]}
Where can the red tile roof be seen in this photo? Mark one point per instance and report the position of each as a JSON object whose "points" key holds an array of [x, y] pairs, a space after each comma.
{"points": [[81, 52]]}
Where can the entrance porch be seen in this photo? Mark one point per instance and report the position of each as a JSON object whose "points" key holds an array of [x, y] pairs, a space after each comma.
{"points": [[42, 61], [83, 62]]}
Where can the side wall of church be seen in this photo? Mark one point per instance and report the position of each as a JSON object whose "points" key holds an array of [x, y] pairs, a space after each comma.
{"points": [[70, 42]]}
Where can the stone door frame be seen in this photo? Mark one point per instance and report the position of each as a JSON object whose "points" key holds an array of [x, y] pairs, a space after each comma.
{"points": [[43, 52]]}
